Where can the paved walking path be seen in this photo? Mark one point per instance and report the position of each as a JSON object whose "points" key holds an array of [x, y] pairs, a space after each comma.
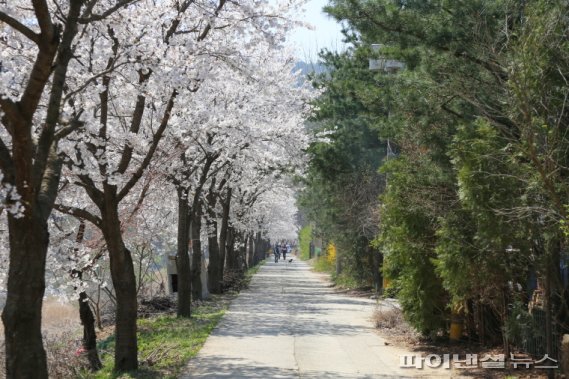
{"points": [[291, 324]]}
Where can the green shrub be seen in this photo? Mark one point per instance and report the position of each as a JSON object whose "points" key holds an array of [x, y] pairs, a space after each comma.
{"points": [[321, 264], [305, 236]]}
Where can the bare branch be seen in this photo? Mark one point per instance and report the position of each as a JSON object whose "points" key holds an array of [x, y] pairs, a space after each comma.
{"points": [[135, 124], [72, 126], [92, 79], [157, 137], [17, 25], [79, 213], [208, 27], [64, 53], [176, 21], [107, 13]]}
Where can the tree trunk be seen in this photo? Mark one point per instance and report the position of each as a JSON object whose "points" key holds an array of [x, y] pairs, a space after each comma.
{"points": [[196, 227], [231, 259], [258, 247], [377, 277], [249, 251], [223, 233], [25, 355], [214, 273], [241, 256], [183, 257], [124, 283], [338, 263], [89, 336], [86, 316]]}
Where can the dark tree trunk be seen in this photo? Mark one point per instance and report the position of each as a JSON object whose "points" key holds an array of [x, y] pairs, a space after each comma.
{"points": [[377, 277], [223, 233], [241, 256], [231, 259], [183, 257], [89, 336], [260, 248], [195, 231], [257, 247], [25, 355], [124, 283], [214, 276], [249, 252], [338, 263], [195, 228], [86, 316], [266, 248], [214, 273]]}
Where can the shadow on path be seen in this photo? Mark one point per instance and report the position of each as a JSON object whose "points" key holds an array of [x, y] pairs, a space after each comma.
{"points": [[291, 324]]}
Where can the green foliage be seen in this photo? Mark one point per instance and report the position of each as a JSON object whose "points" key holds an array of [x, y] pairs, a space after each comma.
{"points": [[342, 183], [519, 323], [321, 264], [304, 238], [346, 280], [408, 236], [476, 197]]}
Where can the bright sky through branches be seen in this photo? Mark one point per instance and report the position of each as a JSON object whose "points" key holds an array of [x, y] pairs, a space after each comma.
{"points": [[326, 32]]}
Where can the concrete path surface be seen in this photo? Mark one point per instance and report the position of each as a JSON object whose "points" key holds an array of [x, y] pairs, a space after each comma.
{"points": [[291, 324]]}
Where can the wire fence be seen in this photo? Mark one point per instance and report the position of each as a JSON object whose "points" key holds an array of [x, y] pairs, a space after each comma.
{"points": [[533, 337]]}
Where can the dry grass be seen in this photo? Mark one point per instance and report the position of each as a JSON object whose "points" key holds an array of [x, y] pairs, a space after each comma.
{"points": [[391, 323], [387, 318], [57, 318], [61, 328]]}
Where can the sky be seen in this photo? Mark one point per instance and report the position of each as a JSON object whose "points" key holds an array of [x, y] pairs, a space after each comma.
{"points": [[326, 33]]}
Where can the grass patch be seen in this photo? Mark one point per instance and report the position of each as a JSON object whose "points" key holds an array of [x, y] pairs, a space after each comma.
{"points": [[345, 280], [321, 264], [165, 343]]}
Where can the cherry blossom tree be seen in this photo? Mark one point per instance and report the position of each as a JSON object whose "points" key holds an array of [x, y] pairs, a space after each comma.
{"points": [[146, 221], [142, 73], [37, 48], [104, 94], [274, 146], [240, 111]]}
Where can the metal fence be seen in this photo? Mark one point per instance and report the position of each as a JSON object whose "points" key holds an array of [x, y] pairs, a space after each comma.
{"points": [[533, 339]]}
